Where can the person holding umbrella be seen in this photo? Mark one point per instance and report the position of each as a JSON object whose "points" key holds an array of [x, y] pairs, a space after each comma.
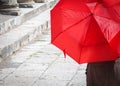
{"points": [[101, 73], [86, 32]]}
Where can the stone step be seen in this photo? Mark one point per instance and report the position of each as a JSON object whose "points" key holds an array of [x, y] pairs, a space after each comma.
{"points": [[16, 38], [8, 22]]}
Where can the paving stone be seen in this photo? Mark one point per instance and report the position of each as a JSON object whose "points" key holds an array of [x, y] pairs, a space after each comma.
{"points": [[80, 78], [61, 71], [66, 59], [5, 72], [20, 57], [33, 66], [51, 49], [28, 73], [42, 58], [13, 80], [50, 82], [9, 64]]}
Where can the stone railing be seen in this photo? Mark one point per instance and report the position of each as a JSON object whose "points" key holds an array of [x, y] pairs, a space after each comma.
{"points": [[26, 3], [11, 7], [39, 1]]}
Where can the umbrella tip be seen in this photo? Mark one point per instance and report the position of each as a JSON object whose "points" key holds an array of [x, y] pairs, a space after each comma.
{"points": [[64, 53]]}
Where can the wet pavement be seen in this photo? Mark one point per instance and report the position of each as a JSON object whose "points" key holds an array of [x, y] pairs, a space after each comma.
{"points": [[40, 63]]}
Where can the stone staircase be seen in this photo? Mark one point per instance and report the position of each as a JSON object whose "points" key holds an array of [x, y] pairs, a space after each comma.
{"points": [[17, 31]]}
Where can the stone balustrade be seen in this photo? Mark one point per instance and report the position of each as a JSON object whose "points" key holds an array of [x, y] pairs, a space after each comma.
{"points": [[26, 3], [40, 1], [9, 7]]}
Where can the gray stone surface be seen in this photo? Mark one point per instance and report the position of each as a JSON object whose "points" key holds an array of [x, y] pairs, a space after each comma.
{"points": [[41, 64], [8, 22], [40, 1], [11, 11], [26, 3], [16, 38]]}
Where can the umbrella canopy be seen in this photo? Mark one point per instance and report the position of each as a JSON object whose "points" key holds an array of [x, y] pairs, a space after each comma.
{"points": [[81, 32]]}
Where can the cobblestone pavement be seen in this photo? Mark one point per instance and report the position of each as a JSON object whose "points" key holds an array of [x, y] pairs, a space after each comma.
{"points": [[41, 64]]}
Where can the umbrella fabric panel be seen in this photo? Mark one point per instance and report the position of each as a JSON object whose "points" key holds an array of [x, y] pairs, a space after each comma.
{"points": [[115, 43], [66, 16], [113, 7], [109, 27], [111, 2], [115, 12], [56, 23], [100, 10]]}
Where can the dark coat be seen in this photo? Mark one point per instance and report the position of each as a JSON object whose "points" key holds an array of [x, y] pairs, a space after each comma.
{"points": [[101, 74]]}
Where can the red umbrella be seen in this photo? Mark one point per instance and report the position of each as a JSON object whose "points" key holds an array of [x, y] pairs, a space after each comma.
{"points": [[76, 31]]}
